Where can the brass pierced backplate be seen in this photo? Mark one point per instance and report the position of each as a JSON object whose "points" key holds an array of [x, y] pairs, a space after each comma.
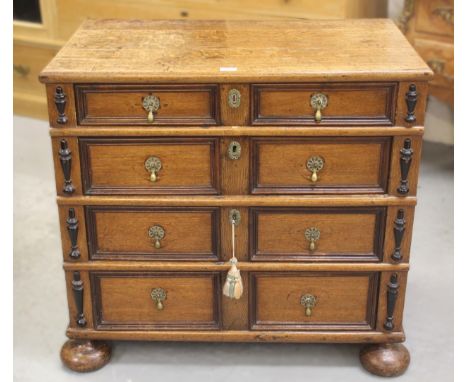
{"points": [[318, 101], [312, 234], [157, 233], [314, 165], [153, 165], [151, 104], [159, 295], [308, 301]]}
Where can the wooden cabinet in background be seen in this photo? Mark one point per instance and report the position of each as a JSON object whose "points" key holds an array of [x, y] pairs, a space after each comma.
{"points": [[428, 25], [35, 43]]}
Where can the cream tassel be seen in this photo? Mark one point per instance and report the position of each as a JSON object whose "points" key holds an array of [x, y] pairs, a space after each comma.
{"points": [[233, 287]]}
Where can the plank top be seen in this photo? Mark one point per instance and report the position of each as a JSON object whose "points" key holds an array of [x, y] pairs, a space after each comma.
{"points": [[236, 51]]}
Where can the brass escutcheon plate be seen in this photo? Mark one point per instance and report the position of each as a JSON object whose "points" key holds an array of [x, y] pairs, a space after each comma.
{"points": [[234, 150], [234, 215], [234, 98]]}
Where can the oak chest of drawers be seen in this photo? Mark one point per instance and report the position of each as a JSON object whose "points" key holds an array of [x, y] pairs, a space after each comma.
{"points": [[293, 146]]}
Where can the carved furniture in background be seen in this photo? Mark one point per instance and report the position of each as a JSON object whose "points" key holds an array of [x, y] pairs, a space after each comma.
{"points": [[428, 25], [178, 135]]}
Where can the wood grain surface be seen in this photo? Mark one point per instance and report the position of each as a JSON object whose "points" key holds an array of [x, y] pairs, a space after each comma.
{"points": [[122, 104], [351, 165], [235, 116], [202, 266], [122, 233], [235, 172], [346, 234], [117, 166], [343, 301], [70, 13], [347, 104], [123, 300], [240, 336], [243, 200], [236, 131], [221, 51]]}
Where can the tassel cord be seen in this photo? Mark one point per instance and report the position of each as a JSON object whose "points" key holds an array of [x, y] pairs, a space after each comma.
{"points": [[233, 287], [233, 240]]}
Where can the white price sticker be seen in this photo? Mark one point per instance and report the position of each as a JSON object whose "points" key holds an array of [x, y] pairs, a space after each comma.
{"points": [[228, 69]]}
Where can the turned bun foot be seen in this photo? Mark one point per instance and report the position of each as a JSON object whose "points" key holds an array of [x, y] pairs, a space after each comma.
{"points": [[83, 356], [385, 360]]}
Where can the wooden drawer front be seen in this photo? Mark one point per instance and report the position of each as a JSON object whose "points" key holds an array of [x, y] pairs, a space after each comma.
{"points": [[344, 301], [350, 165], [28, 61], [367, 104], [434, 17], [439, 56], [345, 234], [122, 300], [117, 166], [123, 104], [127, 233]]}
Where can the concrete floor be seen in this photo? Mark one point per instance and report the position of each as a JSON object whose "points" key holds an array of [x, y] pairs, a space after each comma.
{"points": [[40, 315]]}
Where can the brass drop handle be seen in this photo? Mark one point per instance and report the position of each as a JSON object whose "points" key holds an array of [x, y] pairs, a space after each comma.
{"points": [[151, 104], [308, 301], [314, 165], [157, 233], [153, 165], [159, 295], [312, 234], [318, 101]]}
